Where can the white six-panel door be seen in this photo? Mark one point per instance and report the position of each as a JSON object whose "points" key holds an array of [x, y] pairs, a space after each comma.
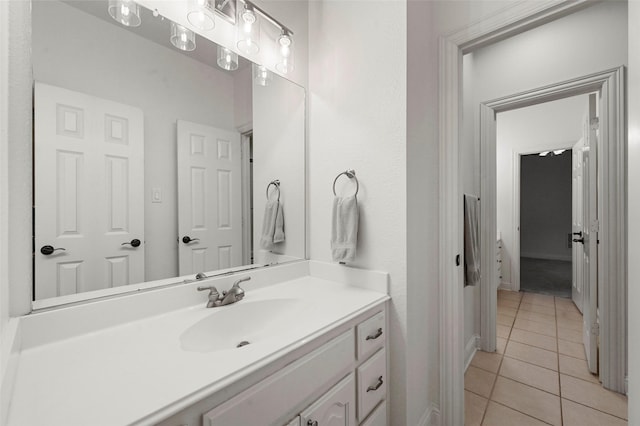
{"points": [[577, 221], [89, 189], [209, 198], [590, 235]]}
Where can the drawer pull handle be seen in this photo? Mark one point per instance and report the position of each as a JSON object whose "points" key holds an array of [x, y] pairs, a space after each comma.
{"points": [[312, 422], [377, 386], [375, 336]]}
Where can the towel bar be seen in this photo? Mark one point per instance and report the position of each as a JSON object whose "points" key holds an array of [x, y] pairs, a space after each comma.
{"points": [[275, 183], [351, 174]]}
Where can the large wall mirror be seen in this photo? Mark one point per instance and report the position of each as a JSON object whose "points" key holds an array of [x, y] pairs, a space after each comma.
{"points": [[153, 163]]}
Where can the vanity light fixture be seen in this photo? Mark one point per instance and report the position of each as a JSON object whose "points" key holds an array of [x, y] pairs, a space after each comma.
{"points": [[262, 75], [126, 12], [285, 51], [201, 15], [227, 59], [182, 38], [248, 30]]}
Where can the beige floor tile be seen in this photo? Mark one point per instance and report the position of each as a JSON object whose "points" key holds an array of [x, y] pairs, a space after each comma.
{"points": [[566, 315], [474, 406], [537, 317], [549, 310], [507, 311], [571, 325], [534, 339], [506, 303], [538, 299], [576, 368], [593, 395], [479, 381], [499, 415], [569, 334], [504, 320], [501, 345], [535, 327], [487, 361], [578, 415], [531, 401], [503, 331], [575, 350], [509, 295], [533, 355], [529, 374], [564, 301]]}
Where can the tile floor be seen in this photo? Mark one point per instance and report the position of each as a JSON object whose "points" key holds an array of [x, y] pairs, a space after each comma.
{"points": [[539, 375]]}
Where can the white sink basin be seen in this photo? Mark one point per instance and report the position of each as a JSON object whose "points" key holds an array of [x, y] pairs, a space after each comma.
{"points": [[243, 323]]}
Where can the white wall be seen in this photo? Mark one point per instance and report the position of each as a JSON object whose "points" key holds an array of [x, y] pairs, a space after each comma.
{"points": [[557, 51], [545, 213], [521, 131], [633, 180], [278, 129]]}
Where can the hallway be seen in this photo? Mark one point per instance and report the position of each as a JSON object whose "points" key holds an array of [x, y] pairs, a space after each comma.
{"points": [[539, 375]]}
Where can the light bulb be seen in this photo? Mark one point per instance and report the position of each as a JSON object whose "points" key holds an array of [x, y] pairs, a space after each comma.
{"points": [[227, 59], [182, 38], [126, 12], [248, 31]]}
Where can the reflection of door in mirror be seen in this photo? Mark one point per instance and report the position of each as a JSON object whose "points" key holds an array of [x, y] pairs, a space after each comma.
{"points": [[89, 184], [209, 198]]}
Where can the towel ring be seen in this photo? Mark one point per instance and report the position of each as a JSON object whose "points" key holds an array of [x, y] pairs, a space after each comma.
{"points": [[351, 174], [275, 183]]}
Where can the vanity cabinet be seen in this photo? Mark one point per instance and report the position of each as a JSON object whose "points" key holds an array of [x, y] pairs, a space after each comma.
{"points": [[342, 381]]}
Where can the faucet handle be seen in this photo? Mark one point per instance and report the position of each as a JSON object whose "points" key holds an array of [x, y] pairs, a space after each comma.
{"points": [[243, 279], [208, 287]]}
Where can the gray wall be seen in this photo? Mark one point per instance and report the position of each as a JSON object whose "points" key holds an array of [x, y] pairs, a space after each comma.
{"points": [[545, 206]]}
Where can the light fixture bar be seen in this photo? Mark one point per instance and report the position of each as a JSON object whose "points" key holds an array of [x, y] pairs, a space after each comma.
{"points": [[270, 18]]}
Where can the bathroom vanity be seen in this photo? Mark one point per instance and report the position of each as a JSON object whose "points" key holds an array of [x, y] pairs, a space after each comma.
{"points": [[305, 344]]}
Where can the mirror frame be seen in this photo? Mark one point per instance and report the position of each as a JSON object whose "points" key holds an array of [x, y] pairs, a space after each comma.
{"points": [[225, 37]]}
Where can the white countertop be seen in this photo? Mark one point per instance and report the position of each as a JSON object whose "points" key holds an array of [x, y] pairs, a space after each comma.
{"points": [[122, 374]]}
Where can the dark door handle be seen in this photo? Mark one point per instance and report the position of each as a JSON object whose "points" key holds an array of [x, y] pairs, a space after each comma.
{"points": [[47, 250], [187, 239], [578, 240], [133, 243], [579, 234]]}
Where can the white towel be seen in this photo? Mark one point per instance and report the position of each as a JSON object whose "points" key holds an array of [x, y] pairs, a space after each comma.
{"points": [[344, 229], [471, 241], [272, 225]]}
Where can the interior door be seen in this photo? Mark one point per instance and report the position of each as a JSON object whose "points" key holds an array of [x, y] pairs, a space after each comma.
{"points": [[209, 198], [577, 220], [590, 236], [89, 193]]}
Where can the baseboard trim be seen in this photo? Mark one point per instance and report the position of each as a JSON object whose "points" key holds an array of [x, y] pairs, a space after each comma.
{"points": [[505, 286], [470, 350], [431, 417], [626, 385]]}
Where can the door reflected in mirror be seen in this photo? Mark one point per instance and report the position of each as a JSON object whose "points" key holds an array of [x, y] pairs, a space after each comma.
{"points": [[151, 162]]}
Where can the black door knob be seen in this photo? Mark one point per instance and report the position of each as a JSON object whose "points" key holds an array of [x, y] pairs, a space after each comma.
{"points": [[579, 234], [47, 250], [187, 239], [133, 243], [578, 240]]}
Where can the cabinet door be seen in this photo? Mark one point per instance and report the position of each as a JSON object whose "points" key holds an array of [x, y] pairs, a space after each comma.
{"points": [[337, 407]]}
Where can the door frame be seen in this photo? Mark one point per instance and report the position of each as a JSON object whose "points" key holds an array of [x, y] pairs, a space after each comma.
{"points": [[247, 196], [506, 23], [517, 166]]}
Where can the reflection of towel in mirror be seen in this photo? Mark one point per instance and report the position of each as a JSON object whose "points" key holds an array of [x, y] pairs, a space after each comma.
{"points": [[471, 241], [272, 225], [344, 229]]}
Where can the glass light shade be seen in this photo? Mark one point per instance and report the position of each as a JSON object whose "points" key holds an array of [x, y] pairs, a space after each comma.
{"points": [[127, 12], [182, 38], [248, 31], [285, 53], [200, 15], [227, 59], [262, 75]]}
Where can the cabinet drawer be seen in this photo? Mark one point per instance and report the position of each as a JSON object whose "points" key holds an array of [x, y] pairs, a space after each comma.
{"points": [[371, 335], [378, 417], [372, 383]]}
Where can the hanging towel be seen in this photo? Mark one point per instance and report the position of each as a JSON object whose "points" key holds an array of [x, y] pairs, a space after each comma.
{"points": [[344, 229], [471, 241], [272, 225]]}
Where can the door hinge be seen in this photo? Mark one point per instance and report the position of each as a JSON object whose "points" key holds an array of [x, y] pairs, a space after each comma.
{"points": [[595, 329], [595, 123], [595, 225]]}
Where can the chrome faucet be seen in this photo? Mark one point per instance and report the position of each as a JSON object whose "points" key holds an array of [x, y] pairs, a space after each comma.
{"points": [[235, 294]]}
